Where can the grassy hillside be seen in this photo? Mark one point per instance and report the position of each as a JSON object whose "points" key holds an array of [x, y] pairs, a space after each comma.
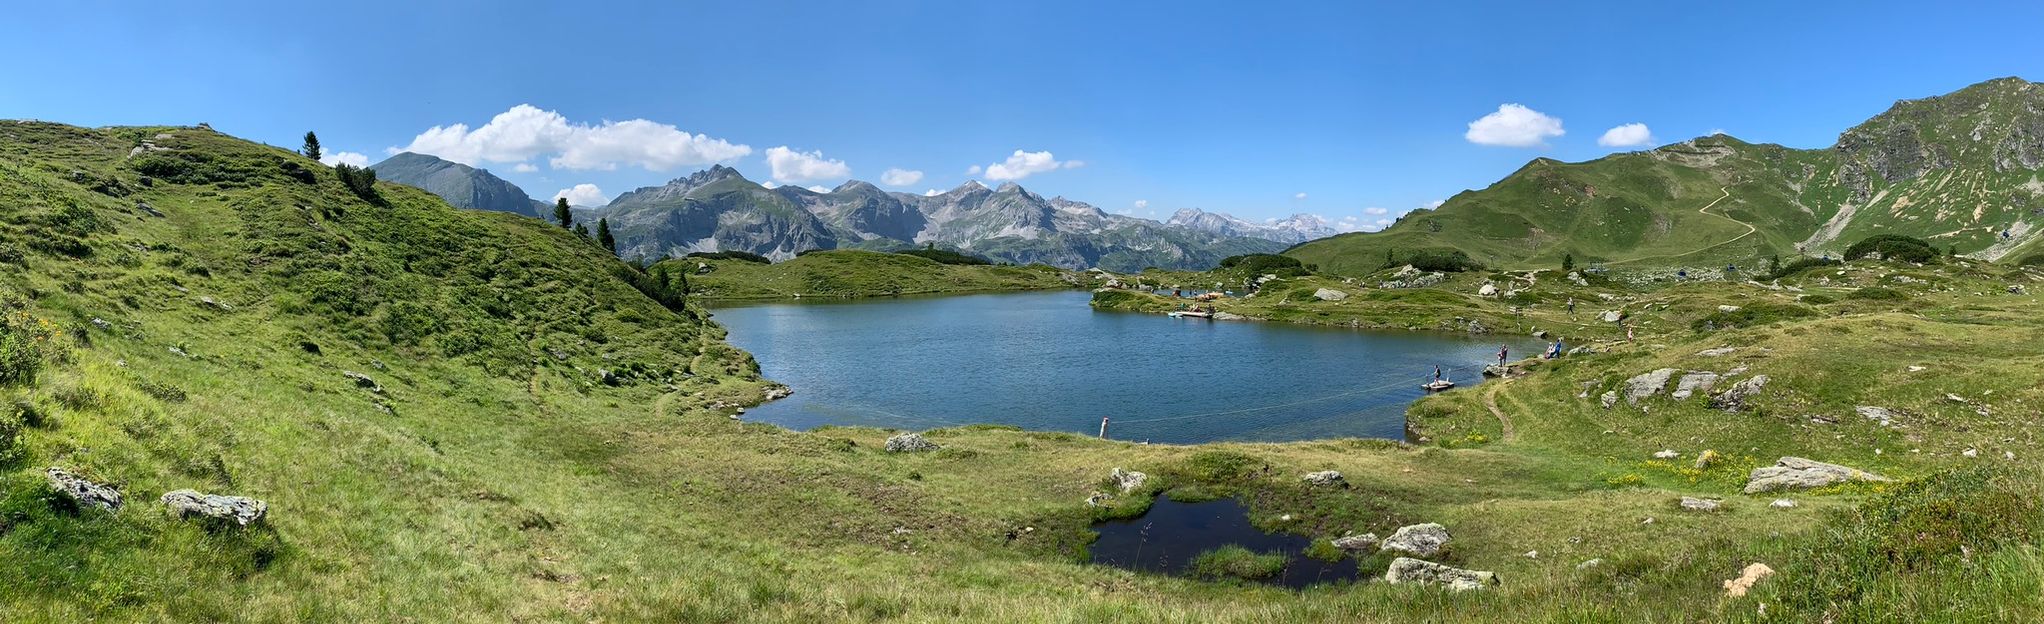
{"points": [[494, 473], [855, 273], [1957, 169]]}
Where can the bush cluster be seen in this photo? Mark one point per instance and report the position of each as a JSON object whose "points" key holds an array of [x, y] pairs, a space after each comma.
{"points": [[1443, 260], [26, 341], [1894, 247], [946, 256], [360, 181], [731, 255], [1261, 264]]}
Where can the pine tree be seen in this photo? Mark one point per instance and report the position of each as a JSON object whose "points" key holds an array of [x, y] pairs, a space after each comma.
{"points": [[562, 215], [1568, 262], [582, 230], [311, 145], [603, 236]]}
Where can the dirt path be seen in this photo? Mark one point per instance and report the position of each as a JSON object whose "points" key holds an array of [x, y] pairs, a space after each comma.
{"points": [[1490, 400], [1706, 211]]}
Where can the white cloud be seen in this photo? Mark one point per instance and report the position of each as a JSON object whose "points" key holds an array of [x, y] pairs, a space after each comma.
{"points": [[344, 158], [1142, 203], [1716, 131], [1513, 125], [525, 132], [974, 170], [793, 166], [1433, 204], [1299, 196], [770, 184], [819, 189], [586, 195], [1378, 225], [900, 177], [524, 168], [1376, 211], [1023, 164], [1628, 135], [932, 193]]}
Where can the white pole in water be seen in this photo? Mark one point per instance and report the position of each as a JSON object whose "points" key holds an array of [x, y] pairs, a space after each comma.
{"points": [[1103, 427]]}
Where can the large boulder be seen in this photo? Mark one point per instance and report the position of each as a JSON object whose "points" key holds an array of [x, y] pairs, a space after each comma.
{"points": [[1610, 316], [240, 510], [1409, 570], [1329, 294], [910, 442], [83, 492], [1127, 480], [1646, 385], [1691, 503], [1324, 477], [1734, 399], [1421, 540], [1693, 382], [1799, 473], [1488, 290]]}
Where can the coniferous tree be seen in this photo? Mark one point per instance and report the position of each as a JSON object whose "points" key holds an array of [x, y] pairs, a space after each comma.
{"points": [[1568, 262], [603, 236], [582, 230], [311, 145], [562, 215]]}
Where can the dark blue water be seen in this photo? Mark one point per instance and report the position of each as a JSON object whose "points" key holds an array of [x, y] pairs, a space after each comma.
{"points": [[1047, 361], [1167, 538]]}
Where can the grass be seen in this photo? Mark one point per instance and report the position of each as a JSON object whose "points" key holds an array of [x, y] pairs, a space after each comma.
{"points": [[1235, 562], [496, 477], [850, 273]]}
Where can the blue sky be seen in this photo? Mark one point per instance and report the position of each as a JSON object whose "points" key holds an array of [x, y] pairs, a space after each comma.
{"points": [[1348, 110]]}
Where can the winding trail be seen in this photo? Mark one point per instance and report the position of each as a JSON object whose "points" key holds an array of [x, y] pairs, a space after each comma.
{"points": [[1705, 210], [1490, 400]]}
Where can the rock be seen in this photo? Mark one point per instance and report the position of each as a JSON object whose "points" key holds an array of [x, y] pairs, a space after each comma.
{"points": [[1542, 334], [606, 376], [1229, 316], [1610, 316], [145, 207], [1739, 586], [1324, 478], [1667, 454], [1408, 570], [1127, 480], [910, 442], [83, 492], [1690, 503], [1422, 540], [240, 510], [2017, 289], [1609, 399], [1705, 459], [1720, 351], [1970, 453], [1532, 554], [1728, 309], [1646, 385], [1589, 564], [1488, 290], [1097, 499], [1782, 503], [363, 381], [1917, 369], [777, 392], [1694, 382], [1353, 543], [1799, 473], [102, 324], [1577, 279], [210, 302], [1329, 294], [1881, 415], [1734, 399], [180, 352]]}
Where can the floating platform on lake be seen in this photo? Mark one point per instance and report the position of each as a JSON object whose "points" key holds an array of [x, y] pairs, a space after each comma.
{"points": [[1192, 314], [1437, 385]]}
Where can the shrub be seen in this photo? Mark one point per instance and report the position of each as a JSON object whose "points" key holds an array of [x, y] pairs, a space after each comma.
{"points": [[26, 341], [1816, 299], [2035, 259], [1751, 315], [1444, 260], [946, 256], [1234, 561], [1894, 247], [360, 181], [1800, 266], [1877, 293], [731, 255]]}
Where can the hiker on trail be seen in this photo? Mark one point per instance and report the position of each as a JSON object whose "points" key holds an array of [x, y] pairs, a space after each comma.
{"points": [[1571, 306], [1555, 350], [1503, 352], [1628, 333]]}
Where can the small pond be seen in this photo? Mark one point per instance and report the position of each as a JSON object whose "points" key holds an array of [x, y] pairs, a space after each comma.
{"points": [[1172, 534]]}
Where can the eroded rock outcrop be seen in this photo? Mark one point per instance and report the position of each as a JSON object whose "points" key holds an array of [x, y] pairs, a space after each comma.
{"points": [[1409, 570], [240, 510], [1798, 473]]}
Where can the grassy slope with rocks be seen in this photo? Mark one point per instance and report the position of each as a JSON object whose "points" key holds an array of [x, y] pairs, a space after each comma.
{"points": [[855, 273], [507, 482], [1957, 170]]}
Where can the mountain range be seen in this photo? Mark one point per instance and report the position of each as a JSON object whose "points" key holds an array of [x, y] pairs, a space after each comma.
{"points": [[1960, 170], [718, 209]]}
